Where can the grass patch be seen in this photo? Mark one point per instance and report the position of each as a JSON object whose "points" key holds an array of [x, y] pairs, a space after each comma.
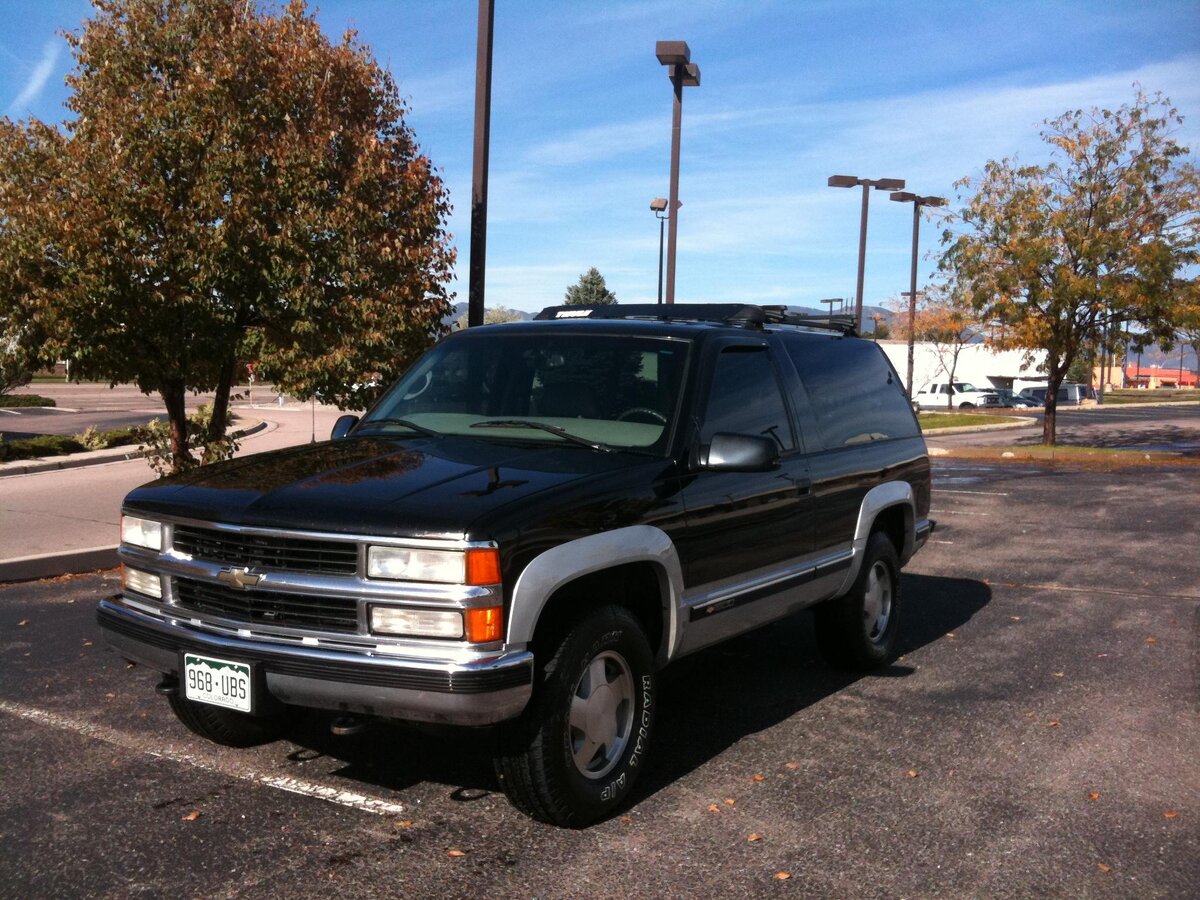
{"points": [[1098, 458], [934, 421], [15, 400], [61, 445], [1128, 397]]}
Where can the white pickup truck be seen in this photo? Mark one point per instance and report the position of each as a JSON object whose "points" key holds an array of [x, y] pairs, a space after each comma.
{"points": [[941, 394]]}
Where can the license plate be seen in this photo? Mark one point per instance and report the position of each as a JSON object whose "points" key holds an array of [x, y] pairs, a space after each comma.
{"points": [[219, 682]]}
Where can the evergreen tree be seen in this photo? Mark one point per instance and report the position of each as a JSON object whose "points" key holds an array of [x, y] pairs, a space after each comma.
{"points": [[590, 291]]}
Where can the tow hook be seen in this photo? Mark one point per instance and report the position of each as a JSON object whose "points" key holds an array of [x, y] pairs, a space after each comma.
{"points": [[347, 726], [168, 687]]}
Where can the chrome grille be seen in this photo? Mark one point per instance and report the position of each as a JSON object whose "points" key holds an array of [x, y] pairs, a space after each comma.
{"points": [[268, 607], [286, 554]]}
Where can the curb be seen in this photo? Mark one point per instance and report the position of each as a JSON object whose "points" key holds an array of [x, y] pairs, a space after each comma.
{"points": [[51, 565], [97, 457], [969, 429]]}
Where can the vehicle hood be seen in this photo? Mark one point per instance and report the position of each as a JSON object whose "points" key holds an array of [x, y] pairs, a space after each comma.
{"points": [[419, 487]]}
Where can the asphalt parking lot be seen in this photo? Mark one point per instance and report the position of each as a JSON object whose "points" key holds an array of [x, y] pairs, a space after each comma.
{"points": [[1037, 738]]}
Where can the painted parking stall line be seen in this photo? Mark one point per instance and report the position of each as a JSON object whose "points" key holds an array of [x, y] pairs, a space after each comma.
{"points": [[361, 802]]}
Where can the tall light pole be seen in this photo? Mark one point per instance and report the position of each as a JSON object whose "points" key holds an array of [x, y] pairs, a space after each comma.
{"points": [[880, 184], [676, 56], [479, 179], [917, 202], [658, 206]]}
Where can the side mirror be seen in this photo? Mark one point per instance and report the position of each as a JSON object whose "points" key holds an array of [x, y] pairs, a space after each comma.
{"points": [[739, 453], [342, 426]]}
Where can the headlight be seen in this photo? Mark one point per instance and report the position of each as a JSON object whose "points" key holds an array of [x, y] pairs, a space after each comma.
{"points": [[141, 533], [434, 623], [142, 582], [476, 566], [407, 564]]}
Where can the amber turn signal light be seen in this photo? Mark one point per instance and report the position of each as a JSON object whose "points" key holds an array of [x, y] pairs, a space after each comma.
{"points": [[484, 625], [483, 565]]}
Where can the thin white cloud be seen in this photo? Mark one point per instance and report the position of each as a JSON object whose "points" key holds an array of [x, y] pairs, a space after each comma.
{"points": [[38, 78]]}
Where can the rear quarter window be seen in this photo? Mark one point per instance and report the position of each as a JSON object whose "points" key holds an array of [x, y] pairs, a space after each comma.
{"points": [[855, 395]]}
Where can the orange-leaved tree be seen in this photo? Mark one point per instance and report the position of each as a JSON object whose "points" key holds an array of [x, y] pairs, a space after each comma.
{"points": [[231, 182], [1059, 255]]}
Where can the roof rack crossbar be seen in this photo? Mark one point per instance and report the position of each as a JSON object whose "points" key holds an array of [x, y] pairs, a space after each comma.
{"points": [[744, 314]]}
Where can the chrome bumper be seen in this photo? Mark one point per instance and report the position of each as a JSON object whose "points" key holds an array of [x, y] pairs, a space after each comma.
{"points": [[480, 692]]}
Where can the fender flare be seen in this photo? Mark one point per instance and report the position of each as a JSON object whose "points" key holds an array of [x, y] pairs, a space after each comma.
{"points": [[558, 566], [879, 498]]}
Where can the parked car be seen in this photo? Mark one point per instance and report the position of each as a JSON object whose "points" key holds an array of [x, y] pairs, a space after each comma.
{"points": [[961, 394], [1012, 400], [526, 528], [1069, 394]]}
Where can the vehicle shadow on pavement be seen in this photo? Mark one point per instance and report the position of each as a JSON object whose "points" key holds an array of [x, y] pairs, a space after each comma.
{"points": [[707, 703]]}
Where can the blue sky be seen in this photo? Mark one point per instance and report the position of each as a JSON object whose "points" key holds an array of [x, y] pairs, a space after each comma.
{"points": [[792, 91]]}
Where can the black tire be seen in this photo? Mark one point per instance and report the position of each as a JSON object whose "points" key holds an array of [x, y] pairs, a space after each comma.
{"points": [[577, 750], [966, 405], [857, 631], [230, 727]]}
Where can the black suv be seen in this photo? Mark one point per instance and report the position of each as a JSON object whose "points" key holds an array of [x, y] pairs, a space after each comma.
{"points": [[526, 528]]}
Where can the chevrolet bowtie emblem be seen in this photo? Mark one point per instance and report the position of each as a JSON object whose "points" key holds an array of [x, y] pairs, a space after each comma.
{"points": [[239, 578]]}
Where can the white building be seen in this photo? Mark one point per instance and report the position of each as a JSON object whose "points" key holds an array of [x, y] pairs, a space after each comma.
{"points": [[977, 364]]}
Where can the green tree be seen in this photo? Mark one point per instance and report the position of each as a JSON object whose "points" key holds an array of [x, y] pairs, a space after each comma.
{"points": [[232, 182], [590, 291], [1065, 255]]}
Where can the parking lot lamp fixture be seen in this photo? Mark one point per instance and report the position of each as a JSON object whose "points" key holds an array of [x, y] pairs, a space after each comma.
{"points": [[880, 184], [658, 206], [917, 202], [677, 57]]}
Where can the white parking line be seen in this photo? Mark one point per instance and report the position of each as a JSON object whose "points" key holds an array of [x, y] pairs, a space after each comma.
{"points": [[361, 802], [955, 512], [938, 490]]}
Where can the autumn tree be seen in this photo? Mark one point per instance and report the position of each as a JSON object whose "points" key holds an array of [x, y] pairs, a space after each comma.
{"points": [[944, 319], [590, 290], [1064, 255], [231, 182]]}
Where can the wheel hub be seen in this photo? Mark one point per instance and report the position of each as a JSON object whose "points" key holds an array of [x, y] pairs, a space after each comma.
{"points": [[601, 715], [877, 602]]}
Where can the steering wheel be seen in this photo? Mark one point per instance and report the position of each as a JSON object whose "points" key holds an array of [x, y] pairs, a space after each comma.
{"points": [[645, 411]]}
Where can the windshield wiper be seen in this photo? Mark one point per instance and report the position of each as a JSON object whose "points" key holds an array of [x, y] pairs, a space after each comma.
{"points": [[542, 426], [420, 429]]}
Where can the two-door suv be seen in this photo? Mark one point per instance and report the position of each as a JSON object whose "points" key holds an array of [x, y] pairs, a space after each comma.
{"points": [[526, 528]]}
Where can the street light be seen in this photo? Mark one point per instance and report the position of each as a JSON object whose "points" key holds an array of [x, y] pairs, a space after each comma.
{"points": [[880, 184], [659, 206], [917, 202], [676, 56]]}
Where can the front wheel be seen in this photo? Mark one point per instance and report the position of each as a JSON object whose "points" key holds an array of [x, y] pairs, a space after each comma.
{"points": [[230, 727], [966, 405], [576, 752], [858, 630]]}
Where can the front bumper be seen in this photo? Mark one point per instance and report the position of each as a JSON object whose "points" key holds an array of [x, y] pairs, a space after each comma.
{"points": [[481, 692]]}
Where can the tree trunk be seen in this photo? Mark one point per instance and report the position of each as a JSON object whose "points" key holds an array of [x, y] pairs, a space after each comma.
{"points": [[220, 408], [172, 394], [1049, 424]]}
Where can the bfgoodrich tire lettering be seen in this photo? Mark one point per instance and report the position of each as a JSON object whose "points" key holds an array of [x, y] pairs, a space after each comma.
{"points": [[858, 630], [574, 755], [230, 727]]}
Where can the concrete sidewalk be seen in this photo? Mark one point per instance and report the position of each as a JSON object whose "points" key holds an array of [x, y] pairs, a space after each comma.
{"points": [[62, 515]]}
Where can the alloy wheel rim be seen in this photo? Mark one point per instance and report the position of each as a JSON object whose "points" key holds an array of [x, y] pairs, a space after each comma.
{"points": [[877, 602], [601, 715]]}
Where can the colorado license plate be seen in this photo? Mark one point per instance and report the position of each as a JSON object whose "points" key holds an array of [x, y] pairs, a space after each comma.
{"points": [[217, 681]]}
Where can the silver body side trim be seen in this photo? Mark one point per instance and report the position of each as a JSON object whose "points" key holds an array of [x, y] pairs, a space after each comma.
{"points": [[565, 563]]}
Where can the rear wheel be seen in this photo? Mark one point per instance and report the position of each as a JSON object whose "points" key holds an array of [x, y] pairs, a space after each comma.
{"points": [[858, 630], [230, 727], [576, 752]]}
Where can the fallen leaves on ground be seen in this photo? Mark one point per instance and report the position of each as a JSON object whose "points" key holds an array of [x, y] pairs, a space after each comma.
{"points": [[913, 773], [1103, 868], [729, 801], [192, 816], [405, 823], [712, 807], [1059, 674], [455, 854], [782, 876], [1151, 640], [1094, 795], [754, 837], [1053, 723], [758, 778], [792, 765], [1170, 814]]}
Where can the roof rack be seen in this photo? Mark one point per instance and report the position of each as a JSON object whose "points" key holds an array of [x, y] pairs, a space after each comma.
{"points": [[743, 314]]}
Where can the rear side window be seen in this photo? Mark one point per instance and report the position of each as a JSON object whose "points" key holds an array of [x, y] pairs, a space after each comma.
{"points": [[855, 396]]}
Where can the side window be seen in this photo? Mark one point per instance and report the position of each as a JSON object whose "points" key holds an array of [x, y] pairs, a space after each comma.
{"points": [[745, 398], [855, 395]]}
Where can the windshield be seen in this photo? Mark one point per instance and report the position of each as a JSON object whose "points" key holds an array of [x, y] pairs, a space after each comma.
{"points": [[603, 390]]}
